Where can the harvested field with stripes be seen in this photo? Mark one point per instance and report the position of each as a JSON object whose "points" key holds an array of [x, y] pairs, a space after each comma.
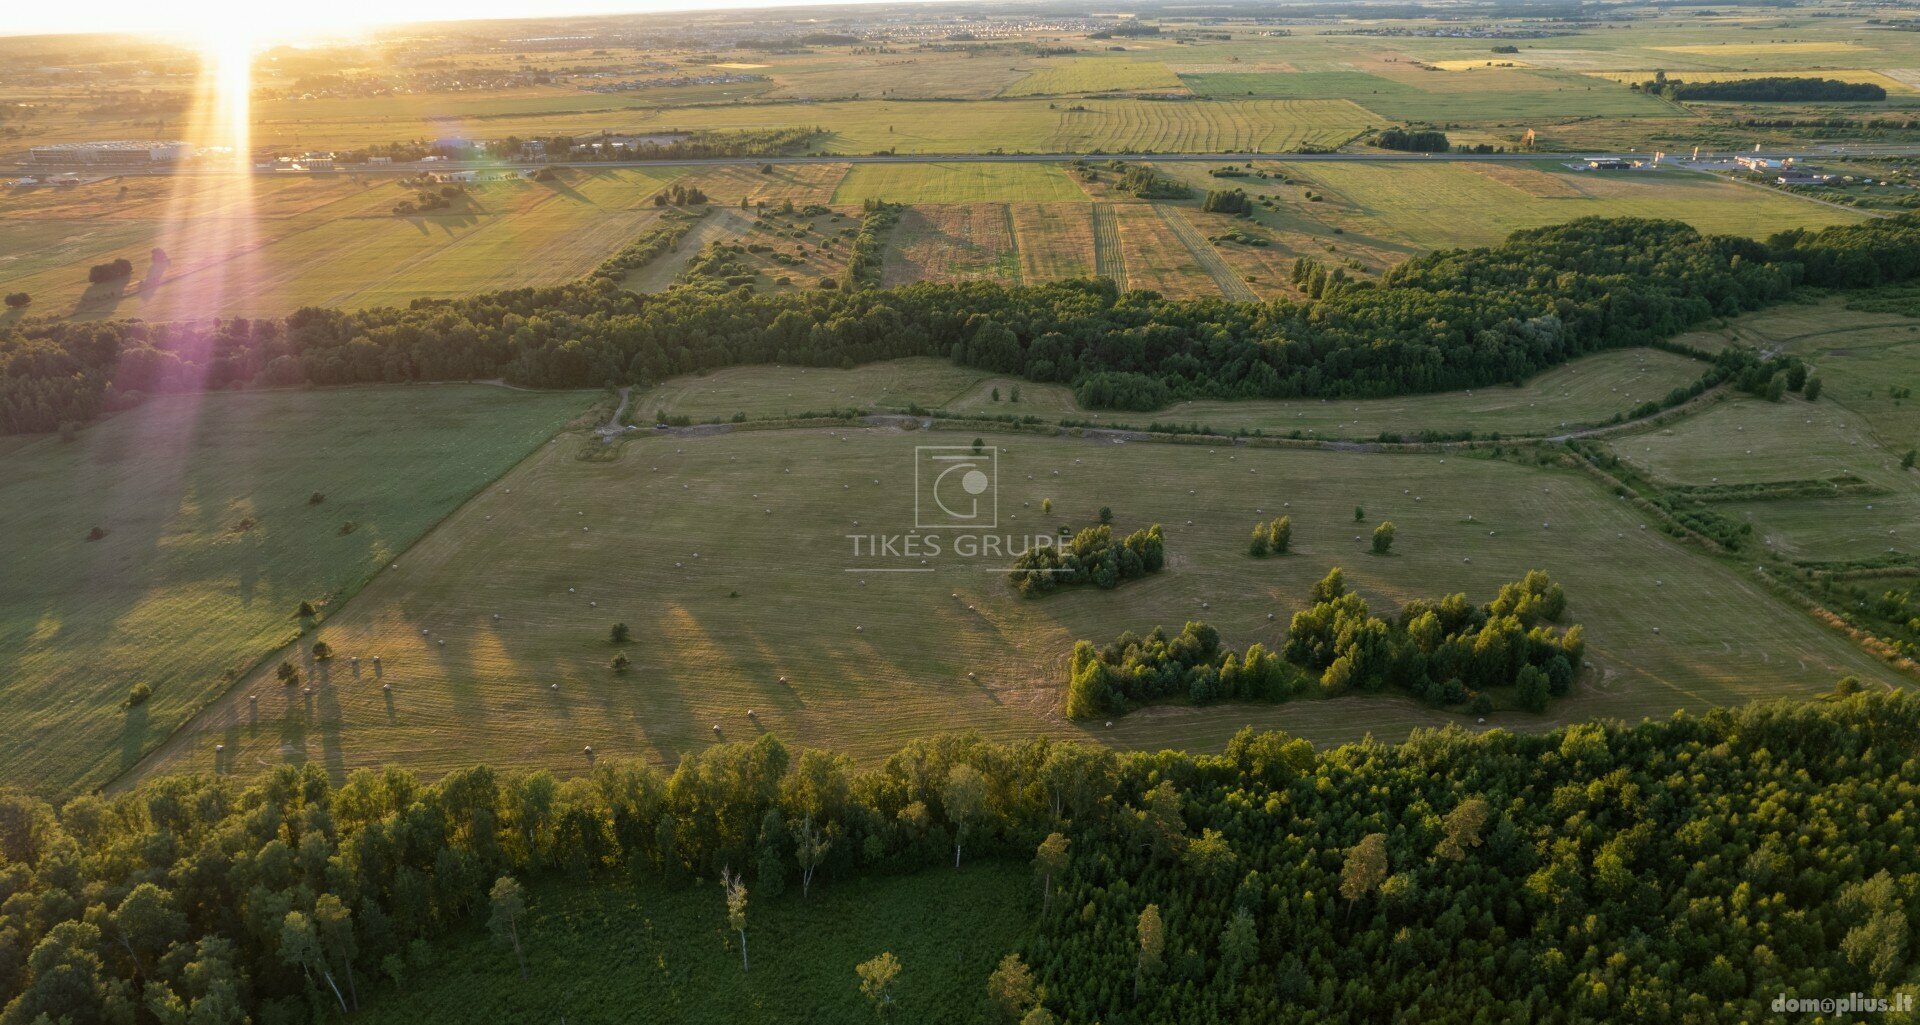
{"points": [[952, 243]]}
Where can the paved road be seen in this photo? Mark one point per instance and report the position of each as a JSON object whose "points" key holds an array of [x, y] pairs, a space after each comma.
{"points": [[1372, 156]]}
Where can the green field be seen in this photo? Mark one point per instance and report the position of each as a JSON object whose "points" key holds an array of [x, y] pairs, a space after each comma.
{"points": [[211, 544], [1436, 206], [1857, 428], [937, 183], [652, 953], [1100, 74], [725, 552], [1585, 392]]}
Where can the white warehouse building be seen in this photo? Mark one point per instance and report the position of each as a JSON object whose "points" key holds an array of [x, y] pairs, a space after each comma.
{"points": [[116, 154]]}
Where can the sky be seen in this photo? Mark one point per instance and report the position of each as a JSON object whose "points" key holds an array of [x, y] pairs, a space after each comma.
{"points": [[287, 20]]}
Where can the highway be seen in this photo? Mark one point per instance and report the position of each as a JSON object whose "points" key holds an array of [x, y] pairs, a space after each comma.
{"points": [[1707, 160]]}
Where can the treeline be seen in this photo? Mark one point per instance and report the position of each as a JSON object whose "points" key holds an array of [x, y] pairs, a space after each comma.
{"points": [[870, 243], [1413, 141], [1684, 869], [1440, 322], [1094, 557], [1773, 89], [657, 242], [1446, 652]]}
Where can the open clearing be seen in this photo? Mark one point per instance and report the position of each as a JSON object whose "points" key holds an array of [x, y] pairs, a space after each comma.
{"points": [[730, 556], [211, 544], [676, 961]]}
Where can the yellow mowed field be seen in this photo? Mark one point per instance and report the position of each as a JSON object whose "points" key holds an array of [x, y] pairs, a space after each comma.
{"points": [[1156, 257], [952, 243], [259, 247], [1054, 240], [960, 182]]}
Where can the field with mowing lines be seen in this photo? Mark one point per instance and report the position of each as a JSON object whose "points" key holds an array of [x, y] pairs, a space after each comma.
{"points": [[675, 959], [952, 243], [914, 74], [1265, 270], [1054, 240], [1109, 257], [211, 544], [799, 184], [957, 183], [261, 247], [1203, 253], [1156, 257], [1097, 75], [1036, 126], [1472, 95], [856, 126], [730, 556]]}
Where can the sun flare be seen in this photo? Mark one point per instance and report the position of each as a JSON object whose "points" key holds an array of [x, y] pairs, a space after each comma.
{"points": [[229, 55]]}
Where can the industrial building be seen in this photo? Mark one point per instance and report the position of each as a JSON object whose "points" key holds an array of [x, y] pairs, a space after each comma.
{"points": [[113, 154]]}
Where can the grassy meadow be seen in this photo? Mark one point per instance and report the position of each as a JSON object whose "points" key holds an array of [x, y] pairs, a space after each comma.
{"points": [[722, 552], [211, 543], [1858, 428], [1434, 206], [647, 952], [1582, 393]]}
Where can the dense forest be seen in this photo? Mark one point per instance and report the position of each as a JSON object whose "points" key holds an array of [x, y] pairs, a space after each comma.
{"points": [[1092, 556], [1443, 321], [1683, 870], [1445, 652], [1412, 140], [1773, 89]]}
